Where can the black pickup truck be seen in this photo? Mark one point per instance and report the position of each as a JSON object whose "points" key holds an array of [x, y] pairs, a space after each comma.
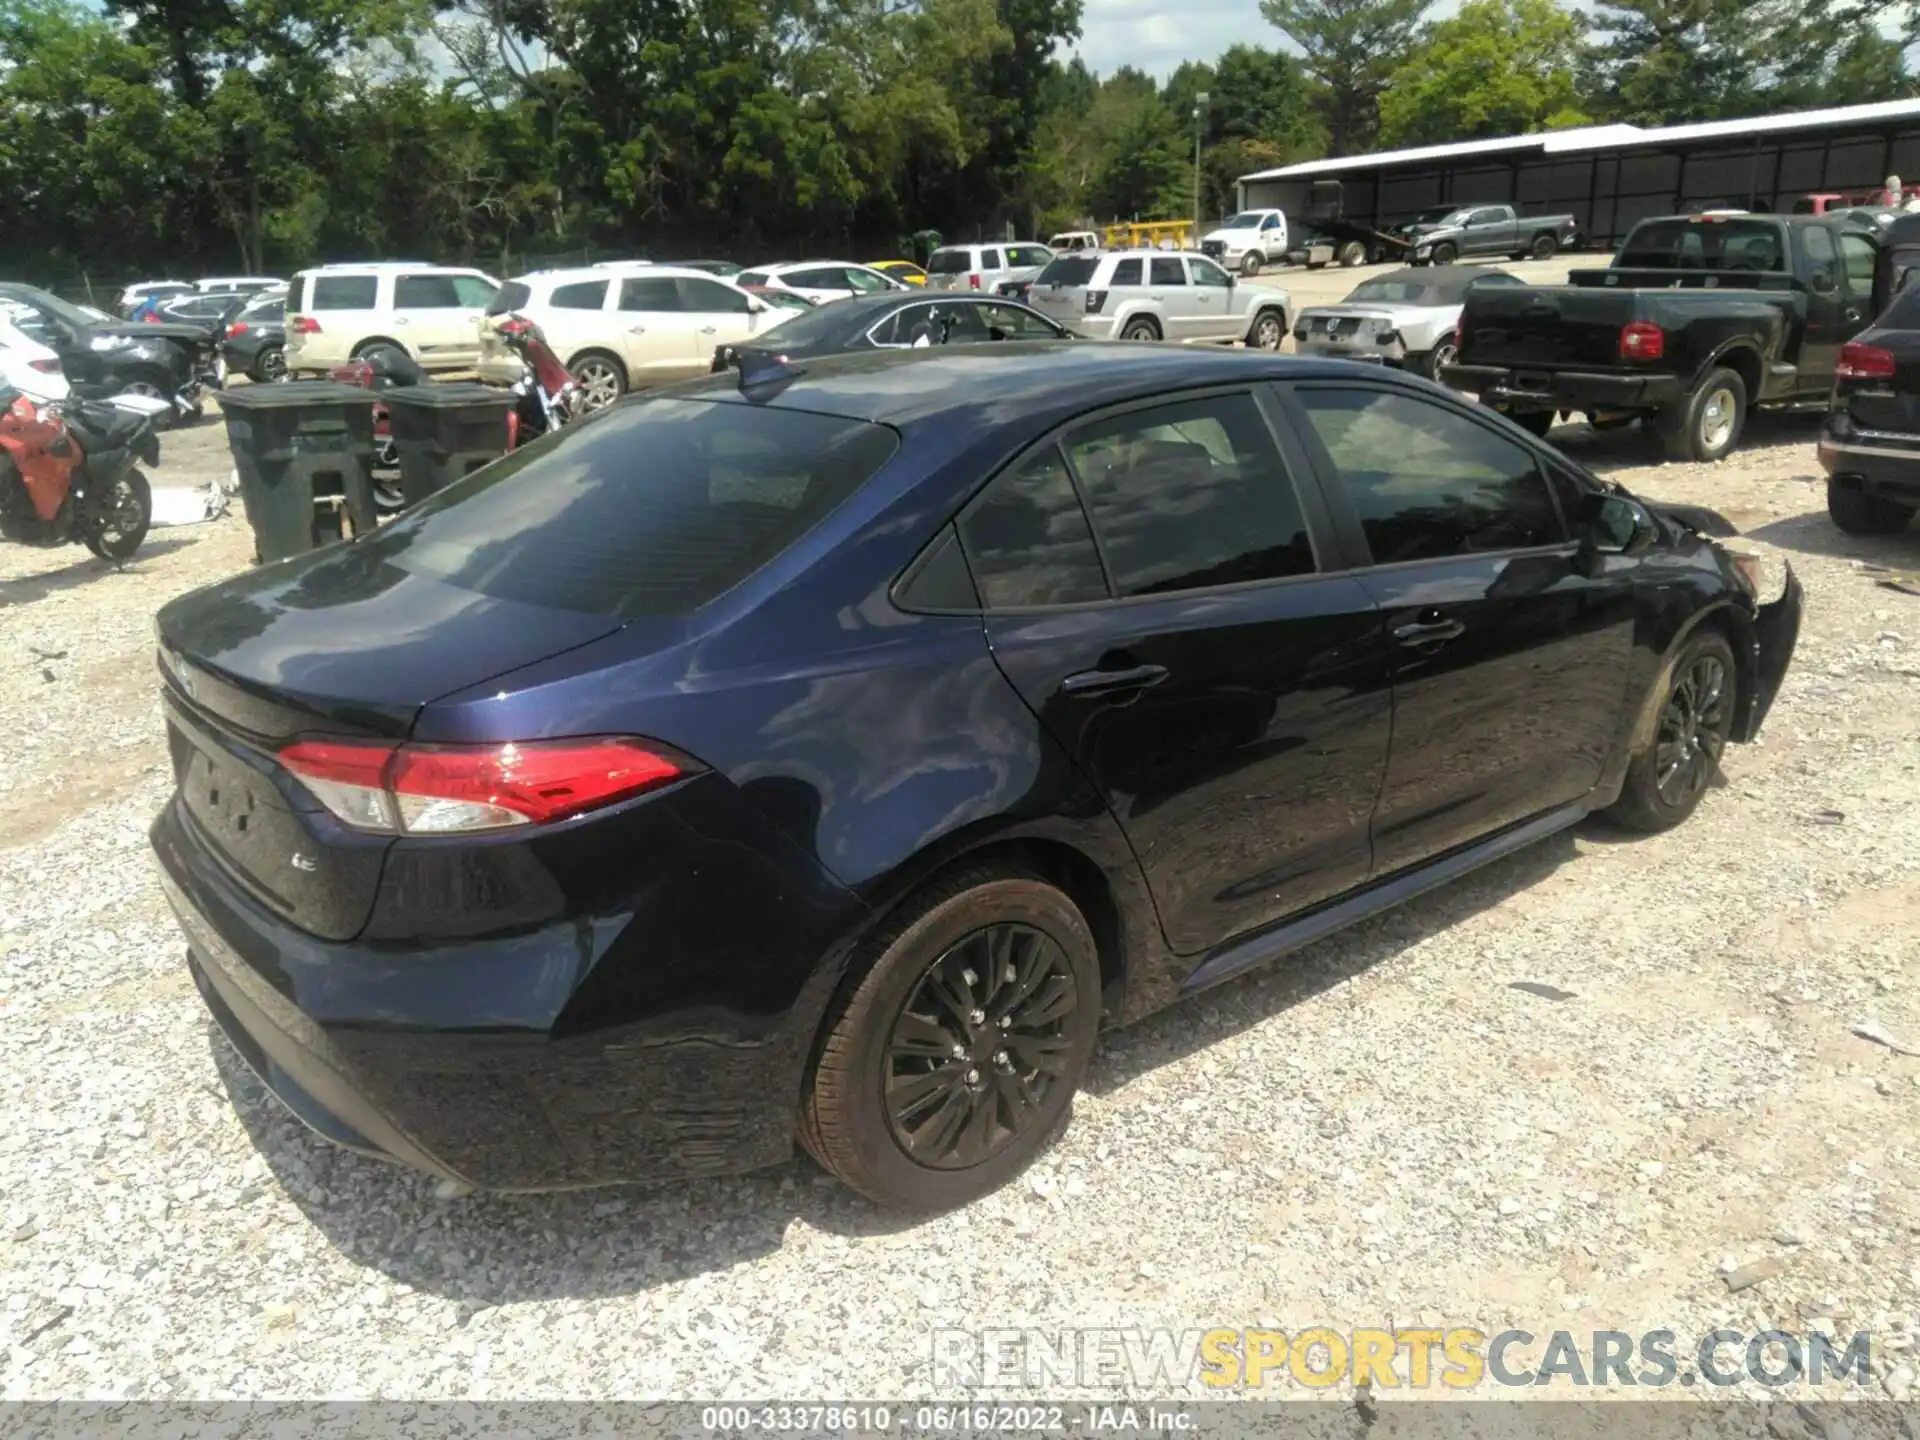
{"points": [[1698, 319]]}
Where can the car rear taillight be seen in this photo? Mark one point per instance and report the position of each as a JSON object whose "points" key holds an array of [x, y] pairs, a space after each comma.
{"points": [[238, 327], [49, 366], [1642, 340], [462, 789], [973, 281], [1096, 299], [304, 325], [1865, 362]]}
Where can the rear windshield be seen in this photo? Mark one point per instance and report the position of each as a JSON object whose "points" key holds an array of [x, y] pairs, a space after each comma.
{"points": [[512, 296], [652, 507], [950, 262], [1703, 245], [1067, 270]]}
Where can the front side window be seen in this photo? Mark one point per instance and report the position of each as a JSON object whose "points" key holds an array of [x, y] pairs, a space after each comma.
{"points": [[1428, 483], [1027, 539], [343, 292], [865, 282], [1205, 272], [1168, 271], [1190, 495], [1016, 322], [816, 279], [1027, 255], [652, 293], [425, 292], [1858, 254], [582, 295], [475, 291], [710, 297]]}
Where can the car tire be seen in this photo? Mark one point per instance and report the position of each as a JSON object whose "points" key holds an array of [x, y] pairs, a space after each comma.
{"points": [[1695, 720], [1859, 513], [892, 1031], [1250, 266], [1141, 329], [371, 351], [1268, 332], [1706, 426], [601, 377], [269, 365], [1544, 247], [135, 518], [1536, 423], [1444, 353], [1445, 253], [1351, 254]]}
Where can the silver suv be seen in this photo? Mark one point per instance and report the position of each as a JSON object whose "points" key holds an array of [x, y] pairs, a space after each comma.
{"points": [[986, 268], [1158, 295]]}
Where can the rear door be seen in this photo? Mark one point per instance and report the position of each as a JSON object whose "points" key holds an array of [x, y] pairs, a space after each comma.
{"points": [[1510, 667], [1195, 651], [427, 316], [657, 334], [1490, 231], [1831, 311]]}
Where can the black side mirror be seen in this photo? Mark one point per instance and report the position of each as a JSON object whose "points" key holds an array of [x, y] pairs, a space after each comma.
{"points": [[1616, 525]]}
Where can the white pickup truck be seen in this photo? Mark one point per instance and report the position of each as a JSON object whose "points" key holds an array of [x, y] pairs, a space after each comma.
{"points": [[1248, 240]]}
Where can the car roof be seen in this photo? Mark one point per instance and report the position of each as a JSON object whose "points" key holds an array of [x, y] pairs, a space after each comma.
{"points": [[785, 265], [375, 266], [1043, 382], [577, 273]]}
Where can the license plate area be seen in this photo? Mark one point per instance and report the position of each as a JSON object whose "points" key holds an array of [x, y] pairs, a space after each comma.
{"points": [[1533, 382]]}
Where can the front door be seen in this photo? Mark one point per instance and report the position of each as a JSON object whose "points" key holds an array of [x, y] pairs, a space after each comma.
{"points": [[1168, 289], [1509, 666], [428, 316], [1227, 695], [1213, 301], [721, 314]]}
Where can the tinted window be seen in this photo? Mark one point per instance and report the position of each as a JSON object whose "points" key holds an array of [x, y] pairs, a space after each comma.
{"points": [[1067, 270], [1858, 253], [657, 293], [710, 297], [343, 292], [751, 277], [1427, 482], [865, 281], [1168, 271], [939, 580], [989, 259], [650, 508], [1205, 272], [581, 295], [475, 292], [950, 262], [1027, 539], [512, 296], [834, 279], [1127, 272], [1027, 255], [1703, 244], [271, 312], [1190, 495], [1014, 322], [425, 292]]}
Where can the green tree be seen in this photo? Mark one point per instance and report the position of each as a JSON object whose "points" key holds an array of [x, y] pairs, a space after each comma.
{"points": [[1143, 165], [1350, 47], [1498, 67]]}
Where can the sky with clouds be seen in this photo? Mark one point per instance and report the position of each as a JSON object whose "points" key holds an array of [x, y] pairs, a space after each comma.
{"points": [[1156, 35]]}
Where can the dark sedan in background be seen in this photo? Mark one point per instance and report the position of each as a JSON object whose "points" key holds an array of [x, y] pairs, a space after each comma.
{"points": [[255, 342], [896, 320], [830, 749], [103, 356]]}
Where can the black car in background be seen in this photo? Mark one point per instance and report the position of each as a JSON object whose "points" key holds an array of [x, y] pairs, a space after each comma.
{"points": [[103, 356], [896, 320], [831, 752], [255, 342], [209, 312], [1870, 446]]}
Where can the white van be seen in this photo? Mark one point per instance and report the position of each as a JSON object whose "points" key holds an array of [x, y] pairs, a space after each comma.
{"points": [[338, 313]]}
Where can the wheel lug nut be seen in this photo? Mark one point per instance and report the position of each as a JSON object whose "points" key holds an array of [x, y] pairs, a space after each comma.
{"points": [[977, 1017], [1010, 974], [968, 976], [1000, 1057], [973, 1077], [1006, 1022], [959, 1052]]}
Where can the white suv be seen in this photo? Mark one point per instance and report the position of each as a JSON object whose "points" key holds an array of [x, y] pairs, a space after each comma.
{"points": [[618, 328], [818, 280], [1155, 295], [339, 313]]}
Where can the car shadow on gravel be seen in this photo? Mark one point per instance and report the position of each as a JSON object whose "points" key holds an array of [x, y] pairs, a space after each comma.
{"points": [[87, 570], [1816, 534], [487, 1250], [1769, 435]]}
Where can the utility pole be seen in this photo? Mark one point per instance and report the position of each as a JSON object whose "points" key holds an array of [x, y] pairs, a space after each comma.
{"points": [[1199, 115]]}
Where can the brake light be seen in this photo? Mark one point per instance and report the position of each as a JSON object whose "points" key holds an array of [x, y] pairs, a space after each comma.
{"points": [[1642, 340], [1865, 362], [461, 789], [1096, 300], [49, 366], [974, 281], [305, 325], [152, 317], [238, 327]]}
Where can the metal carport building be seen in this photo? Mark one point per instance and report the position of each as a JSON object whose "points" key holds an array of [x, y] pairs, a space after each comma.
{"points": [[1610, 176]]}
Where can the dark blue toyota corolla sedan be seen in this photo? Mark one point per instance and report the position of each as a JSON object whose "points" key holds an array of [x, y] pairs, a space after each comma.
{"points": [[830, 751]]}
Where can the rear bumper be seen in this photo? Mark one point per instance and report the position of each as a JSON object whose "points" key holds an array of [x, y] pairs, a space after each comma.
{"points": [[1367, 354], [477, 1061], [1776, 631], [1882, 464], [1518, 389]]}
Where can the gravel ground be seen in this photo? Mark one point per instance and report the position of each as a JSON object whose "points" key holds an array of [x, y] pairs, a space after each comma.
{"points": [[1385, 1130]]}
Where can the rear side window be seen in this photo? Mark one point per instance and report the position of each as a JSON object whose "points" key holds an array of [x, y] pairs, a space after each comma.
{"points": [[512, 296], [343, 292], [1026, 255], [1128, 272], [1067, 270], [650, 508], [1027, 539], [425, 292], [657, 293], [1428, 483], [581, 295], [1169, 271], [751, 277], [989, 259], [710, 297], [271, 311], [1191, 495], [950, 262]]}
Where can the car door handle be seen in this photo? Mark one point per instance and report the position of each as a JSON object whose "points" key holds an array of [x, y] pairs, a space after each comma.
{"points": [[706, 329], [399, 319], [1093, 684], [636, 329], [1429, 632]]}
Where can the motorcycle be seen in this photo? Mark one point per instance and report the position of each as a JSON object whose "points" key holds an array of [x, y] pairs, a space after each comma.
{"points": [[67, 472], [545, 397]]}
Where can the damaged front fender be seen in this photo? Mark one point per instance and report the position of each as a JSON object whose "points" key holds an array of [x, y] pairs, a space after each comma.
{"points": [[1776, 631]]}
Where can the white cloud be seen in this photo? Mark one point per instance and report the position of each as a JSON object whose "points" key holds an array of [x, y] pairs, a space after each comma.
{"points": [[1156, 35]]}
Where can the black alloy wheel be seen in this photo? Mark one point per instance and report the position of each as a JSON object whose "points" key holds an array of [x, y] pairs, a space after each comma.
{"points": [[1693, 730], [979, 1046]]}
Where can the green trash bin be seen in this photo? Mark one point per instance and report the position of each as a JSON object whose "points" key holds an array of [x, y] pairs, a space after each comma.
{"points": [[444, 432], [304, 451]]}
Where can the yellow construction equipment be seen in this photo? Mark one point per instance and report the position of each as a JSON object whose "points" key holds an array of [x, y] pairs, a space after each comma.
{"points": [[1150, 235]]}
